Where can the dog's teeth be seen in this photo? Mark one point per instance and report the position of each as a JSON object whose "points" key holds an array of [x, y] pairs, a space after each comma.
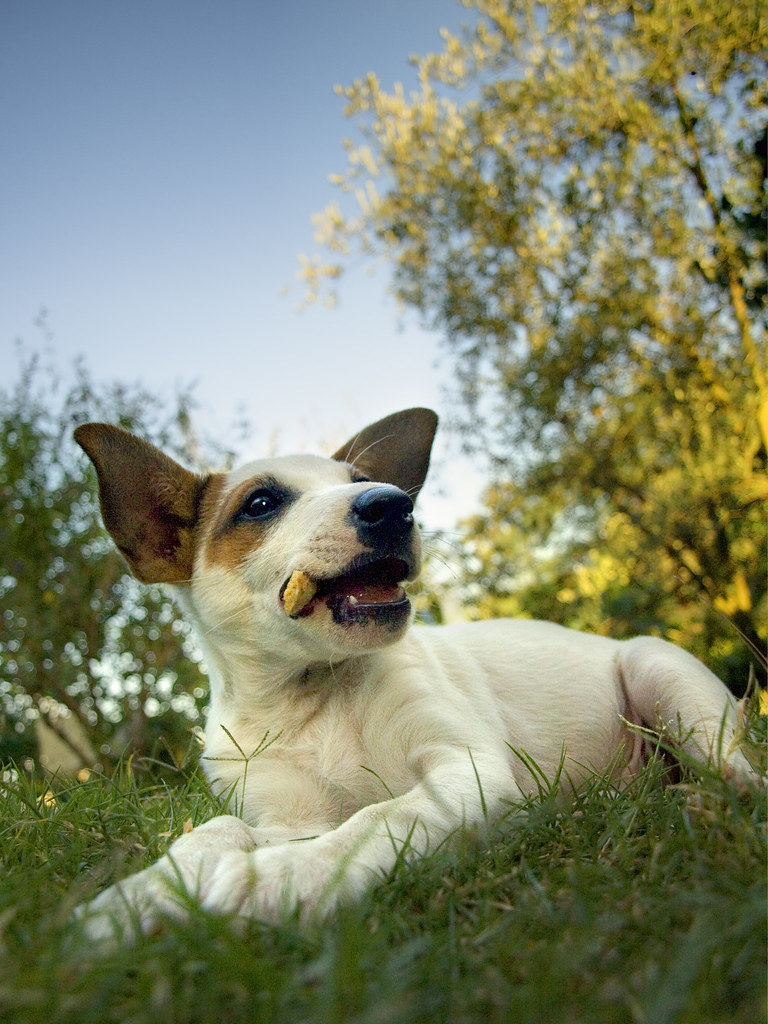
{"points": [[352, 599]]}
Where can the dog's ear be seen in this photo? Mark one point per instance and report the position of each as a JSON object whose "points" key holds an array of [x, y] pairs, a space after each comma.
{"points": [[148, 502], [394, 450]]}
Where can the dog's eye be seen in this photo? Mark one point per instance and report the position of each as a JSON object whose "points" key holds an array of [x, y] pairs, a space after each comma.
{"points": [[360, 478], [261, 504]]}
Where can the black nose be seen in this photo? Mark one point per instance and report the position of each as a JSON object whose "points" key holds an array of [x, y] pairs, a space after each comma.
{"points": [[382, 513]]}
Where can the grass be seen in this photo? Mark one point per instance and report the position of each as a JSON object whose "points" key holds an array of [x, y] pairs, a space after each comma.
{"points": [[646, 906]]}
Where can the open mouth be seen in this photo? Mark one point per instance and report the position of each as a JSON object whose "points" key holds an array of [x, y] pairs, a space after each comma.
{"points": [[371, 590]]}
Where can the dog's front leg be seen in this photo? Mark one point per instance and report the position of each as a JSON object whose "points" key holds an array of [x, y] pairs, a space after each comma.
{"points": [[223, 867], [314, 876]]}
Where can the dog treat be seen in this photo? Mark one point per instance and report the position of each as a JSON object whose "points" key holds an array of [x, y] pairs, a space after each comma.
{"points": [[298, 592]]}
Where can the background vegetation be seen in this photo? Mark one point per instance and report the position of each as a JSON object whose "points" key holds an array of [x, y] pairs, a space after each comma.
{"points": [[123, 668]]}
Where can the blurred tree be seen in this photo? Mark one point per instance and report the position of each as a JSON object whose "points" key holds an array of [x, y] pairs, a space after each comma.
{"points": [[76, 631], [575, 196]]}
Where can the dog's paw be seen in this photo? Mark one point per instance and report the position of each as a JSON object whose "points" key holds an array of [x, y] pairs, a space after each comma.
{"points": [[304, 879], [142, 903], [133, 907], [269, 884]]}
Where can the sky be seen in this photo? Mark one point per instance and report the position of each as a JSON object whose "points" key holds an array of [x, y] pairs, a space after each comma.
{"points": [[161, 163]]}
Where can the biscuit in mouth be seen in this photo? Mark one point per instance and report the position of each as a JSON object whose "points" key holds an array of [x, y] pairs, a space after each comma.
{"points": [[371, 590], [298, 592]]}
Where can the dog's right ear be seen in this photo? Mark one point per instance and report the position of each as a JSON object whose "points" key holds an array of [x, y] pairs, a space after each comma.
{"points": [[149, 502], [394, 450]]}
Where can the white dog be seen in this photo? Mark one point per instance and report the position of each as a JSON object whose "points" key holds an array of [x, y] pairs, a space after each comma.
{"points": [[330, 720]]}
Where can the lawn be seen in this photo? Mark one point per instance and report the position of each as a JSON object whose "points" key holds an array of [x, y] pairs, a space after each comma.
{"points": [[647, 906]]}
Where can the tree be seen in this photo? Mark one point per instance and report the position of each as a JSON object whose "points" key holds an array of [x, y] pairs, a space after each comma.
{"points": [[575, 197], [79, 638]]}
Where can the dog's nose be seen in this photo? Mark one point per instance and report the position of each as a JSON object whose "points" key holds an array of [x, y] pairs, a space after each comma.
{"points": [[382, 512]]}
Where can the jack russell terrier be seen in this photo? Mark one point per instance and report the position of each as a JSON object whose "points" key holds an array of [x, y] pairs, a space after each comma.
{"points": [[333, 722]]}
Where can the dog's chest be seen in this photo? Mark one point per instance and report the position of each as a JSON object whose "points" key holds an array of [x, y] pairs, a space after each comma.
{"points": [[338, 752], [330, 759]]}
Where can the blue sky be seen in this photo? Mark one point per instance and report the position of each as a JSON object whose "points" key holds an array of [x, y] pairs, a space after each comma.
{"points": [[161, 163]]}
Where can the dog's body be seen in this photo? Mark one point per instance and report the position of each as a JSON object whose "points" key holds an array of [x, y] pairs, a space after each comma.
{"points": [[330, 721]]}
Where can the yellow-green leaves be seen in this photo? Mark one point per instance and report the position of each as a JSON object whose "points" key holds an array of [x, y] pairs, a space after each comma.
{"points": [[574, 197]]}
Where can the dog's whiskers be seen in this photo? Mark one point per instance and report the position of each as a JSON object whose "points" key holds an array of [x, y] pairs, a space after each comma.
{"points": [[358, 455], [451, 569], [222, 622], [412, 491]]}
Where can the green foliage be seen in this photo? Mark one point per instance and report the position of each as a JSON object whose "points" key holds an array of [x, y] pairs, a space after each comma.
{"points": [[645, 905], [575, 197], [79, 638]]}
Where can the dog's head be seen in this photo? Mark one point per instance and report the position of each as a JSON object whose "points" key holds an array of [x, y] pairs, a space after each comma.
{"points": [[296, 553]]}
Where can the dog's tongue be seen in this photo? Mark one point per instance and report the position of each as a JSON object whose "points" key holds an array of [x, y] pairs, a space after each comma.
{"points": [[360, 602], [370, 593], [374, 584]]}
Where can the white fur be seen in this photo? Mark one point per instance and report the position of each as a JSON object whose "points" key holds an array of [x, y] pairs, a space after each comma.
{"points": [[362, 742]]}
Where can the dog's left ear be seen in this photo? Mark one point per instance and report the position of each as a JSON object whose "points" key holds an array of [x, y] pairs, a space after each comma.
{"points": [[394, 450], [149, 502]]}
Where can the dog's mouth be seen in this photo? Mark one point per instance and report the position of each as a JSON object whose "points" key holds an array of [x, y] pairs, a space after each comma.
{"points": [[371, 590]]}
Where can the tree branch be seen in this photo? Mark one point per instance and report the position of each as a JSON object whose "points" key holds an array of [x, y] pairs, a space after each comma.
{"points": [[728, 265]]}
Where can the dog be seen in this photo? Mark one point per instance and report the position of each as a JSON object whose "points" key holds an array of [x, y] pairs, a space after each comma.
{"points": [[331, 720]]}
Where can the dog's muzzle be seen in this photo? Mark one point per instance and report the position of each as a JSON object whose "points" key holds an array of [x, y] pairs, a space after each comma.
{"points": [[370, 587]]}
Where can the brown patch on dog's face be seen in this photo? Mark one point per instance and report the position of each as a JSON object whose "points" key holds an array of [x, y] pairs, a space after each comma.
{"points": [[235, 522]]}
